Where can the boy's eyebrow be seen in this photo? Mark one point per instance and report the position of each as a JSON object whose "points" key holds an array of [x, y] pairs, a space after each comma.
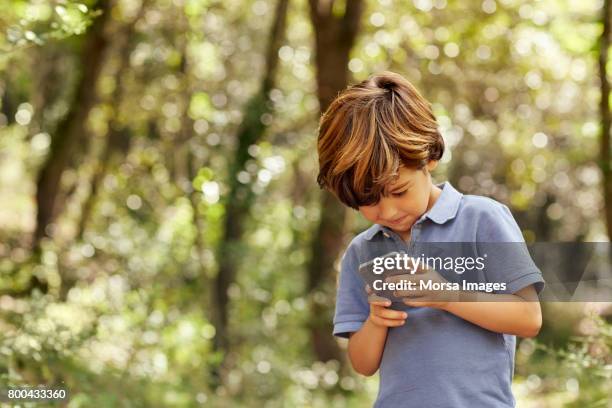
{"points": [[399, 187]]}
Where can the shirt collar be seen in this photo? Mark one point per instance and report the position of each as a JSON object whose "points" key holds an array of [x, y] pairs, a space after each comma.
{"points": [[444, 209]]}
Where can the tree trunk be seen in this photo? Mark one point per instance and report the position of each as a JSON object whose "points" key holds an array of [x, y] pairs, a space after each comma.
{"points": [[117, 137], [604, 107], [6, 103], [334, 39], [72, 128], [240, 196], [46, 89]]}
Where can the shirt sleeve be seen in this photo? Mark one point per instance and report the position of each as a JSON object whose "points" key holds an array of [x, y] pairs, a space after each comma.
{"points": [[352, 308], [508, 260]]}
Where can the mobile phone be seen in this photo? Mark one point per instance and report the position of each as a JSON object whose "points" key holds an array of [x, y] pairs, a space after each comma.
{"points": [[374, 273]]}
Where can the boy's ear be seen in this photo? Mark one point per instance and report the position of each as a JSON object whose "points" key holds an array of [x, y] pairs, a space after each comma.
{"points": [[431, 165]]}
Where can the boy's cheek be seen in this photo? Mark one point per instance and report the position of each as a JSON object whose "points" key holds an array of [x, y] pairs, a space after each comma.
{"points": [[368, 213]]}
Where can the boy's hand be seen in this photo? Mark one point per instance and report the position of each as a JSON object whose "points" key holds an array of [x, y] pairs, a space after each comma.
{"points": [[438, 299], [380, 314]]}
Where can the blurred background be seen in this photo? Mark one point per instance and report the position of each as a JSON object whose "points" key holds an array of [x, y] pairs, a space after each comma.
{"points": [[163, 241]]}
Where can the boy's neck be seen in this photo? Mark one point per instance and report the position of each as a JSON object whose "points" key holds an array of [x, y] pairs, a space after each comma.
{"points": [[433, 196]]}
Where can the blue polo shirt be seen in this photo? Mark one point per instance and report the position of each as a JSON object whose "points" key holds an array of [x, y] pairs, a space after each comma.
{"points": [[437, 359]]}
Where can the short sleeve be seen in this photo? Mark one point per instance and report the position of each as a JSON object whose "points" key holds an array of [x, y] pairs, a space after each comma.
{"points": [[507, 257], [352, 308]]}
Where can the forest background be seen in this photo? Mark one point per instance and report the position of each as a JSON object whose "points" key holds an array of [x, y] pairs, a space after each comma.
{"points": [[163, 241]]}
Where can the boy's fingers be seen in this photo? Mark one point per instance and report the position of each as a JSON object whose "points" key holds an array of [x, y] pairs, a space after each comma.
{"points": [[368, 289], [422, 269], [381, 304], [395, 323], [392, 314], [387, 322]]}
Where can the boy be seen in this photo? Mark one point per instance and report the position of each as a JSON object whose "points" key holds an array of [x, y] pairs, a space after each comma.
{"points": [[378, 143]]}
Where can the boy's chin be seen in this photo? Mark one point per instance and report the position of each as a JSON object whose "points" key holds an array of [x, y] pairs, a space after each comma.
{"points": [[402, 227]]}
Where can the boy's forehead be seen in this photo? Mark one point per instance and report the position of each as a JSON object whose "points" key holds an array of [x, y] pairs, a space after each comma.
{"points": [[403, 175], [399, 181]]}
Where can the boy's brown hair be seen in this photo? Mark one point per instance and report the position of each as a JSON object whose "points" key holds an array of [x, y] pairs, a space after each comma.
{"points": [[368, 132]]}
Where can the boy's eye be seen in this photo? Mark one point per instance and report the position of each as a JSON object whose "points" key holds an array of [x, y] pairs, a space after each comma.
{"points": [[399, 193]]}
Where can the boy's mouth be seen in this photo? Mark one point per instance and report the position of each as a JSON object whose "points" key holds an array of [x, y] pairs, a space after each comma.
{"points": [[397, 220]]}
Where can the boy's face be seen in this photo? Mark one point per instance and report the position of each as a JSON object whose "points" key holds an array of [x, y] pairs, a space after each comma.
{"points": [[407, 199]]}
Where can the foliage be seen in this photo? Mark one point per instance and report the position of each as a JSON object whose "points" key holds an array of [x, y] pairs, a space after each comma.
{"points": [[127, 318]]}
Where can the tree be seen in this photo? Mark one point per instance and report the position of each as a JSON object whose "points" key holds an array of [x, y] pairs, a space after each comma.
{"points": [[604, 108], [335, 35], [71, 130], [240, 195]]}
